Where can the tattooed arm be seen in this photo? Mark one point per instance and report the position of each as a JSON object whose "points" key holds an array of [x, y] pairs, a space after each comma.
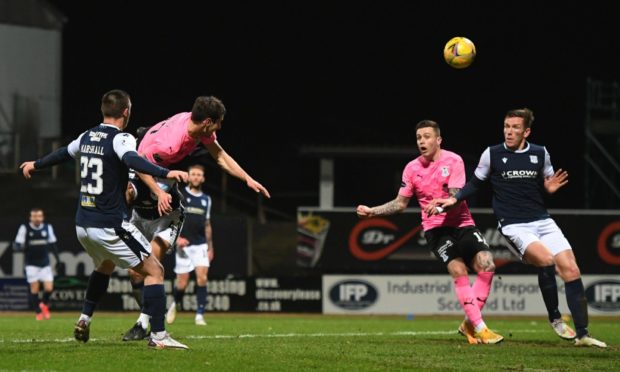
{"points": [[453, 191], [395, 206]]}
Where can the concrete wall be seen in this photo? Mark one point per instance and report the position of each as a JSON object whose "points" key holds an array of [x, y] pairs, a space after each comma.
{"points": [[30, 68]]}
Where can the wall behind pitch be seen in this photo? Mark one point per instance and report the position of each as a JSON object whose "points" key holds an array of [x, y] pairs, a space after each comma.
{"points": [[225, 294], [434, 295], [336, 241], [230, 238]]}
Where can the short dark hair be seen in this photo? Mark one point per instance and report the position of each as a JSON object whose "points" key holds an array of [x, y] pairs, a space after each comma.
{"points": [[208, 107], [114, 102], [141, 132], [525, 113], [196, 166], [36, 209], [428, 124]]}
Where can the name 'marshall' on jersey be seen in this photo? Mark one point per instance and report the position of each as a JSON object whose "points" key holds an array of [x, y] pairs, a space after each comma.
{"points": [[91, 149]]}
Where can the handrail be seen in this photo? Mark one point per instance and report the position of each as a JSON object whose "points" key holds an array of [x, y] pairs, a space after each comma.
{"points": [[257, 204], [254, 204], [601, 148], [601, 174]]}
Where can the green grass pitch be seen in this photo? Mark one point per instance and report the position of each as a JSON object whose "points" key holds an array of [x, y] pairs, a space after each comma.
{"points": [[280, 342]]}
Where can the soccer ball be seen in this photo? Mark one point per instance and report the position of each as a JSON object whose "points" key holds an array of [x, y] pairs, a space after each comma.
{"points": [[459, 52]]}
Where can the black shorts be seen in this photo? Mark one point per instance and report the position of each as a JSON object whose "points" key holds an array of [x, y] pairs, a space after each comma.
{"points": [[448, 243]]}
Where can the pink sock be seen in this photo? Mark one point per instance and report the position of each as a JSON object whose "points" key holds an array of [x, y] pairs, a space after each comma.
{"points": [[467, 299], [482, 287]]}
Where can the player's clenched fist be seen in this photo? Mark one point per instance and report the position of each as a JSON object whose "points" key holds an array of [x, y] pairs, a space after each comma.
{"points": [[364, 211]]}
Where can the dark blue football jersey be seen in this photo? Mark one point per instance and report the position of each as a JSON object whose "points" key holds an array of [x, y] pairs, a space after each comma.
{"points": [[517, 178], [103, 176], [145, 203], [197, 213], [37, 242]]}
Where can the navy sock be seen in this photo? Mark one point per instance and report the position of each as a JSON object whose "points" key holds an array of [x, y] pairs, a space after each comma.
{"points": [[33, 299], [578, 305], [97, 286], [155, 305], [136, 291], [201, 298], [549, 291], [46, 297], [178, 297]]}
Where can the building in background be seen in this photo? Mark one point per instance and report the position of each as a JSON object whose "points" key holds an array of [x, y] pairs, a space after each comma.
{"points": [[30, 76]]}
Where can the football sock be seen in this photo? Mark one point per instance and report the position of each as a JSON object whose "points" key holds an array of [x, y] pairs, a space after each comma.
{"points": [[155, 306], [33, 299], [578, 305], [480, 327], [97, 286], [178, 296], [46, 297], [467, 300], [85, 318], [136, 291], [201, 298], [549, 291], [158, 335], [144, 320], [482, 287]]}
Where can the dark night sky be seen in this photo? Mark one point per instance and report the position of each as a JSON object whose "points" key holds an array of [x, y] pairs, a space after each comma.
{"points": [[295, 73]]}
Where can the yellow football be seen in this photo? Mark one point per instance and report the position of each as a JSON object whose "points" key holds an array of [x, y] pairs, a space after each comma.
{"points": [[459, 52]]}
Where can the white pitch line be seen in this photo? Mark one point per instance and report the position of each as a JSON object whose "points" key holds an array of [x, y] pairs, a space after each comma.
{"points": [[344, 334], [322, 334], [282, 335], [37, 340]]}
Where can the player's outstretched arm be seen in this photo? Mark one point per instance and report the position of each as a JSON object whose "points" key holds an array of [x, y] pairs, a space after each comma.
{"points": [[58, 156], [559, 179], [140, 164], [232, 167], [392, 207]]}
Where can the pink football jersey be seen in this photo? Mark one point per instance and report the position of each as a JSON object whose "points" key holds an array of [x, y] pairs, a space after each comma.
{"points": [[430, 180], [168, 142]]}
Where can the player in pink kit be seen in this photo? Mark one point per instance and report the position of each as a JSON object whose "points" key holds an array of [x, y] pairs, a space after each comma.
{"points": [[173, 139], [453, 238], [160, 217]]}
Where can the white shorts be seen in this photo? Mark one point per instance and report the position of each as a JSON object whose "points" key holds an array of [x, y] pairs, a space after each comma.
{"points": [[39, 274], [190, 257], [125, 245], [166, 227], [521, 235]]}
